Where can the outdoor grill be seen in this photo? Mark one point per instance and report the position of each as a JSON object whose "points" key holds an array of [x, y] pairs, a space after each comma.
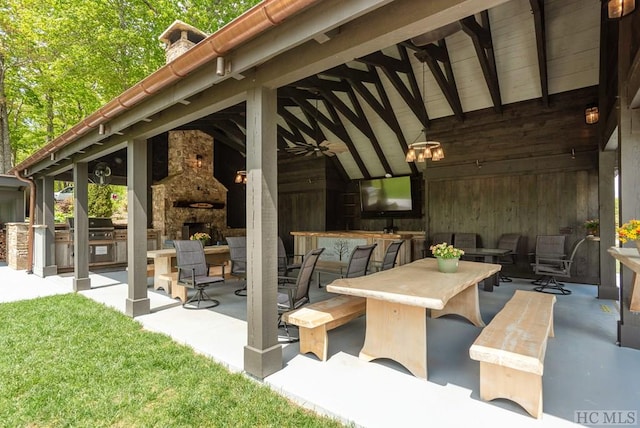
{"points": [[101, 239]]}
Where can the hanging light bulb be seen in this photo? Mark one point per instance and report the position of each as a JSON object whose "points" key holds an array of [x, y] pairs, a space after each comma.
{"points": [[421, 148]]}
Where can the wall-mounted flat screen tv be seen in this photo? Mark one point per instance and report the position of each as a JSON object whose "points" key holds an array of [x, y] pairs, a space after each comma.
{"points": [[390, 197]]}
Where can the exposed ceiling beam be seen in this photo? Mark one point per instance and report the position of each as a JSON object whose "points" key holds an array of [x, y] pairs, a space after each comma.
{"points": [[337, 128], [537, 7], [481, 37], [357, 117], [384, 109], [433, 55], [391, 67]]}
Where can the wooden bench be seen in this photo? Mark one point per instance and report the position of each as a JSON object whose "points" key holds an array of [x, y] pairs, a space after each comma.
{"points": [[175, 290], [180, 291], [316, 319], [511, 350]]}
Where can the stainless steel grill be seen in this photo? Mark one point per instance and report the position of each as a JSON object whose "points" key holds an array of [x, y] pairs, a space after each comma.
{"points": [[101, 239]]}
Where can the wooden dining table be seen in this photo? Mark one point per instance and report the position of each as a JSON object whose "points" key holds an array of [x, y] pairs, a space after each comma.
{"points": [[164, 275], [488, 255], [397, 304]]}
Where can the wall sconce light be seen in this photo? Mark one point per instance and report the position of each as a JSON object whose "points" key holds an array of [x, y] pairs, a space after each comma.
{"points": [[241, 177], [199, 161], [573, 153], [101, 129], [478, 164], [591, 114], [619, 8]]}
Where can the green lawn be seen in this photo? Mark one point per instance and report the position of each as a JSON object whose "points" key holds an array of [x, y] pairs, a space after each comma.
{"points": [[69, 361]]}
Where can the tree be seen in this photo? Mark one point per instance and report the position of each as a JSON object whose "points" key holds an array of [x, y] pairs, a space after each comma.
{"points": [[60, 60], [100, 203]]}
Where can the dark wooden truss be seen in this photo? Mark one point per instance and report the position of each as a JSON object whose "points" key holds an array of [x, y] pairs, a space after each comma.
{"points": [[341, 92]]}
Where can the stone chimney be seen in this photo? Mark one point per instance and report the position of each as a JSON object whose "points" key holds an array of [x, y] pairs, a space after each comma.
{"points": [[179, 38]]}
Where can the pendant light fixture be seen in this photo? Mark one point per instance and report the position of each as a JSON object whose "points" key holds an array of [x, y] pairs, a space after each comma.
{"points": [[422, 149]]}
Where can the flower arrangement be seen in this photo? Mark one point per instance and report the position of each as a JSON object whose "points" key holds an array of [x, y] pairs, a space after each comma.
{"points": [[592, 226], [200, 236], [630, 231], [446, 251]]}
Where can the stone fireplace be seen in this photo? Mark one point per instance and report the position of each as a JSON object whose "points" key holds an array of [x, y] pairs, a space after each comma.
{"points": [[189, 199]]}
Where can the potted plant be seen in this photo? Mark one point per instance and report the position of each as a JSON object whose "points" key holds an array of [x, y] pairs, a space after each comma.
{"points": [[203, 237], [630, 231], [592, 227], [447, 257]]}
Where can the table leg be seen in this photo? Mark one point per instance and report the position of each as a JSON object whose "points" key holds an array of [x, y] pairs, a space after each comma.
{"points": [[634, 304], [493, 280], [162, 267], [466, 304], [397, 332]]}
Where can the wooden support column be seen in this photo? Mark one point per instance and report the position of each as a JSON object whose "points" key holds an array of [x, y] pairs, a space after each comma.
{"points": [[48, 220], [137, 302], [263, 353], [81, 279], [629, 152], [608, 289]]}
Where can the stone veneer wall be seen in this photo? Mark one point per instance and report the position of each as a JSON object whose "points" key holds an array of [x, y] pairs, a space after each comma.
{"points": [[190, 183], [3, 244], [16, 239]]}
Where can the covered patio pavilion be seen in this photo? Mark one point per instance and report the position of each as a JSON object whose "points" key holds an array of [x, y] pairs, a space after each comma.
{"points": [[299, 69]]}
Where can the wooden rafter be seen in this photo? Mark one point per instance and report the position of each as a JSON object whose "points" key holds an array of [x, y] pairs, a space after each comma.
{"points": [[384, 109], [537, 7], [481, 37], [357, 117], [434, 55], [300, 97], [392, 67]]}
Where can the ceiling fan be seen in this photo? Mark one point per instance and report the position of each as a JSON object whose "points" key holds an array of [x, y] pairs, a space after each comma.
{"points": [[327, 148], [319, 148], [102, 174]]}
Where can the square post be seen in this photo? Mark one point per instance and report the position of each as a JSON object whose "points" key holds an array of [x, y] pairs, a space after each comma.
{"points": [[137, 302], [81, 279], [263, 353]]}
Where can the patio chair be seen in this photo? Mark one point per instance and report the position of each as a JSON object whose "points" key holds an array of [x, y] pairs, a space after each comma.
{"points": [[193, 272], [359, 261], [285, 266], [390, 256], [238, 257], [548, 246], [465, 240], [551, 267], [437, 238], [294, 292], [508, 241]]}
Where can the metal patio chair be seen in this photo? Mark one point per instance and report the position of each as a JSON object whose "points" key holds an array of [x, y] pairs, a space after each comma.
{"points": [[193, 272]]}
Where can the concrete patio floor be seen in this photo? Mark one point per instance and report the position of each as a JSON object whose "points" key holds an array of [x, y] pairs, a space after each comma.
{"points": [[585, 371]]}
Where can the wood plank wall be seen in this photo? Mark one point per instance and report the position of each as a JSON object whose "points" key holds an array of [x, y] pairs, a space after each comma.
{"points": [[529, 181], [537, 174], [302, 197], [530, 205]]}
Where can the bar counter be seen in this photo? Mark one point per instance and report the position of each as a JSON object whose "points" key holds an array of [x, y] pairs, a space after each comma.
{"points": [[338, 244]]}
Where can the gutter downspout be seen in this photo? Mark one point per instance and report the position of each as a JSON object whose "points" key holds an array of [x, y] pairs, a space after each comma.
{"points": [[32, 209]]}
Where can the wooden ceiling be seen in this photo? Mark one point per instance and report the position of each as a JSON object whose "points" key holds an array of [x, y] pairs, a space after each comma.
{"points": [[379, 103]]}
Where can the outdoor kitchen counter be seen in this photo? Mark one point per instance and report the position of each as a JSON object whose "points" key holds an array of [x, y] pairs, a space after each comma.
{"points": [[64, 246]]}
